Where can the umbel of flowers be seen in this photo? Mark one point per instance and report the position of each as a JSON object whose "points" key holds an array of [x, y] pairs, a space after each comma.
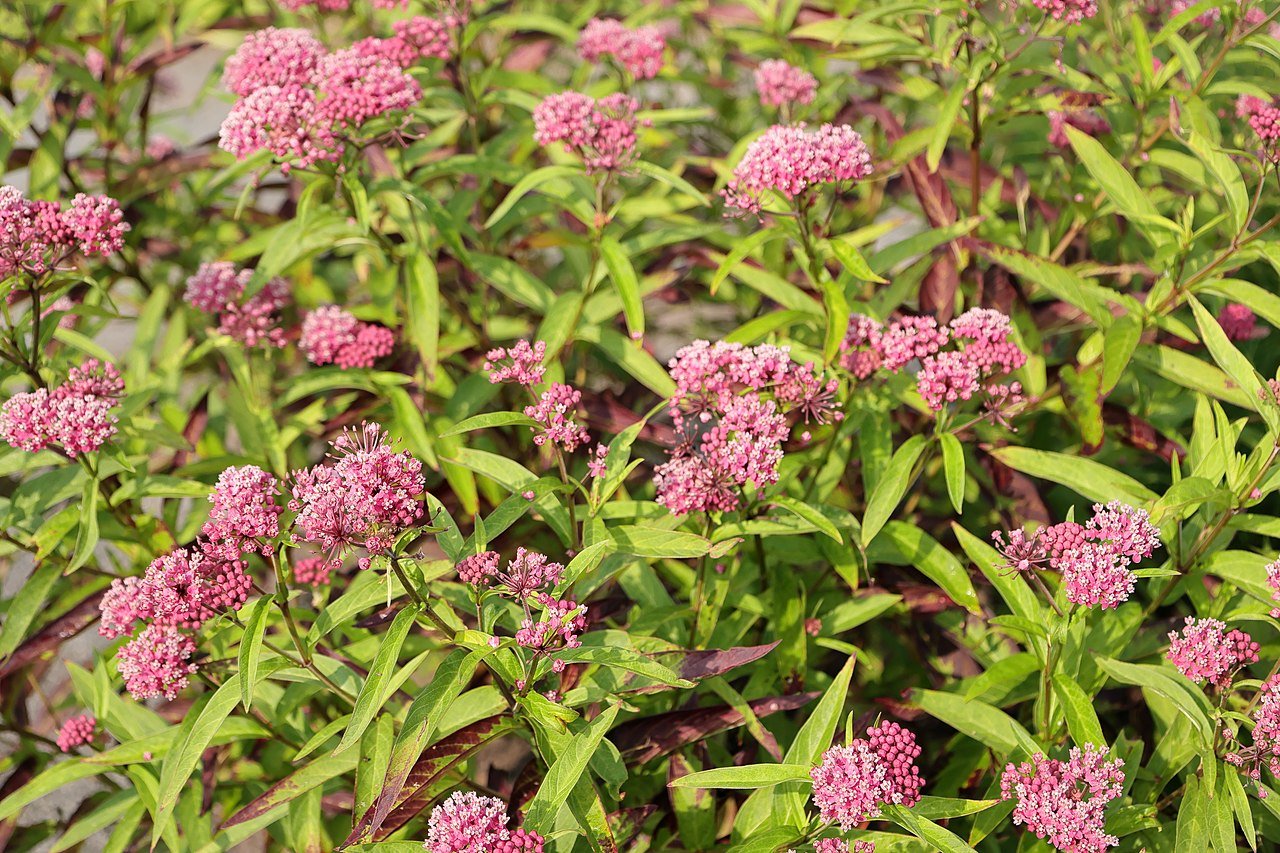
{"points": [[732, 412], [554, 409], [75, 417], [952, 364], [472, 823], [1064, 802], [41, 237], [791, 160], [1094, 558], [218, 288], [303, 104]]}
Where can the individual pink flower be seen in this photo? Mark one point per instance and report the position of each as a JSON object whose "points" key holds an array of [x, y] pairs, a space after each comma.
{"points": [[77, 731], [521, 364], [555, 411], [790, 160], [602, 133], [780, 84], [598, 464], [121, 606], [1064, 802], [156, 663], [1205, 651], [97, 224], [244, 515], [1238, 322], [638, 50], [525, 575], [365, 497], [353, 88], [1070, 11], [272, 57]]}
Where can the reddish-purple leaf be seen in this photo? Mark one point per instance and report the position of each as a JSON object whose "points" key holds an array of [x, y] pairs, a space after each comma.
{"points": [[652, 737]]}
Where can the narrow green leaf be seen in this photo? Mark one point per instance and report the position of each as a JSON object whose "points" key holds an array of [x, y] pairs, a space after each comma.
{"points": [[741, 778], [953, 469], [255, 624], [810, 514], [935, 562], [1082, 719], [892, 487], [370, 700], [564, 774], [623, 276]]}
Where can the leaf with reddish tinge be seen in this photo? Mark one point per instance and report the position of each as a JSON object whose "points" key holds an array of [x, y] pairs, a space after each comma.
{"points": [[435, 761], [53, 635], [704, 664], [652, 737], [627, 823], [295, 785]]}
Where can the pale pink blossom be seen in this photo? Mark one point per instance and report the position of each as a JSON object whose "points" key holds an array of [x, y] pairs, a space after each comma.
{"points": [[637, 50], [790, 160], [781, 84], [1064, 802], [156, 663]]}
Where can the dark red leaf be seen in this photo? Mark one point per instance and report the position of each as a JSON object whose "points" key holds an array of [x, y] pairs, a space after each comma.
{"points": [[651, 737], [53, 635]]}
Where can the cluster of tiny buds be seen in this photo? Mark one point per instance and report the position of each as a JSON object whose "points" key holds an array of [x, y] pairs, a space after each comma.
{"points": [[77, 731]]}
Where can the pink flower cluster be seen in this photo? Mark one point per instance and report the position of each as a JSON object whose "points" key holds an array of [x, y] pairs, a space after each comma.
{"points": [[1205, 651], [526, 574], [639, 51], [179, 591], [1064, 802], [602, 133], [77, 731], [244, 516], [837, 845], [468, 822], [982, 349], [75, 416], [39, 236], [1265, 749], [555, 411], [730, 414], [790, 160], [1084, 120], [300, 102], [1239, 323], [182, 589], [1264, 118], [852, 782], [331, 335], [1094, 558], [1071, 11], [414, 40], [521, 364], [365, 497], [218, 288], [557, 629], [312, 571], [780, 84]]}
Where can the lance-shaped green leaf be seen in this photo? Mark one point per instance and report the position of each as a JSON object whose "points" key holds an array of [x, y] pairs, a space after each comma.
{"points": [[624, 278], [565, 773], [1233, 363], [372, 696], [741, 778], [255, 624], [891, 487], [935, 562]]}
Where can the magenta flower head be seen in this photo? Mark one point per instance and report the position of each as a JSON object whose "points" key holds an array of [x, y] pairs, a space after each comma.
{"points": [[187, 587], [1070, 11], [332, 335], [244, 515], [852, 782], [1064, 802], [365, 498], [272, 57], [468, 822], [789, 160], [1239, 323], [602, 133], [862, 347], [555, 411], [479, 569], [312, 571], [1205, 651], [77, 731], [780, 84], [638, 50], [156, 663], [74, 416], [1265, 750], [521, 364], [37, 237]]}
